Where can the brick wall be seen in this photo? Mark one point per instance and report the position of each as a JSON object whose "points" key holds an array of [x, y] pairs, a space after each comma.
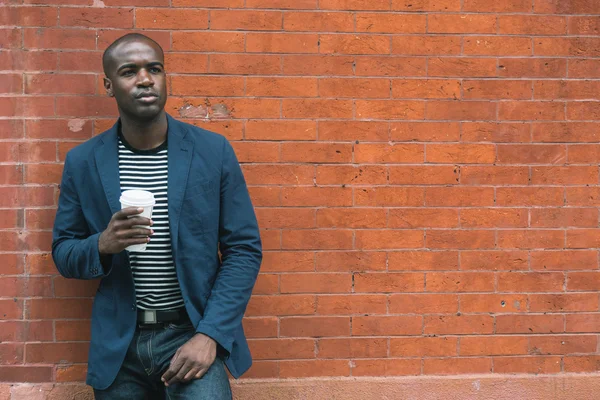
{"points": [[425, 173]]}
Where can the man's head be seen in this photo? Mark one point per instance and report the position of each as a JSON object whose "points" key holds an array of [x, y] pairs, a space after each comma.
{"points": [[135, 76]]}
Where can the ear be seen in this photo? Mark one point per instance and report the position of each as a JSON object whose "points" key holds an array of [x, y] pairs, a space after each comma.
{"points": [[108, 87]]}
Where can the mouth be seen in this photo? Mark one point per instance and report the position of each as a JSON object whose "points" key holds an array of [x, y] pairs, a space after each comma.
{"points": [[147, 98]]}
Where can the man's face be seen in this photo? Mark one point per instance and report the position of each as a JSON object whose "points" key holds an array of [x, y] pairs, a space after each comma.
{"points": [[136, 78]]}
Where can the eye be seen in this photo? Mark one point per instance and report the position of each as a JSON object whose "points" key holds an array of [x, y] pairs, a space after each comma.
{"points": [[155, 70], [128, 72]]}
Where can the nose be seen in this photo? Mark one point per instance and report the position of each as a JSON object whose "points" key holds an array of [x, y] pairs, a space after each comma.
{"points": [[144, 78]]}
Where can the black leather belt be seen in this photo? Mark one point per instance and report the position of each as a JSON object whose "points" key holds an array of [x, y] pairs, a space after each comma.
{"points": [[150, 317]]}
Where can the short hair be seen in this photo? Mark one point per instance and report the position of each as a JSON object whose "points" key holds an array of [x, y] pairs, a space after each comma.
{"points": [[123, 39]]}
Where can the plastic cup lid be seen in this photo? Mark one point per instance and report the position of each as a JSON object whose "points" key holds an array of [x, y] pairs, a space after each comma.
{"points": [[140, 198]]}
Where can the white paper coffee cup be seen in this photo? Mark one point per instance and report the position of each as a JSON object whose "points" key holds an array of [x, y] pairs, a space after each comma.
{"points": [[142, 199]]}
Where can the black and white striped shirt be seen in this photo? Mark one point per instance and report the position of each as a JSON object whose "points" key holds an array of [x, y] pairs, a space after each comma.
{"points": [[154, 274]]}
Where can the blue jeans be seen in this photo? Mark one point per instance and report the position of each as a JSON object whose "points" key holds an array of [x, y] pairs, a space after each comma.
{"points": [[149, 356]]}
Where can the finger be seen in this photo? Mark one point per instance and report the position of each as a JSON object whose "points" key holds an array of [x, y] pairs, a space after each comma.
{"points": [[126, 212], [176, 363], [200, 373], [131, 242], [181, 373], [133, 233], [140, 221], [191, 374]]}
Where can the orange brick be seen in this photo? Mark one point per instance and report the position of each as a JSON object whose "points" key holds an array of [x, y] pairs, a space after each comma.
{"points": [[317, 239], [531, 365], [288, 261], [423, 260], [281, 130], [281, 87], [372, 131], [351, 304], [318, 21], [423, 303], [354, 4], [391, 23], [426, 45], [390, 66], [394, 282], [389, 239], [302, 369], [532, 25], [583, 281], [564, 217], [497, 303], [351, 218], [276, 349], [564, 260], [461, 110], [386, 367], [460, 239], [262, 327], [530, 196], [352, 348], [529, 324], [562, 344], [582, 323], [531, 239], [266, 284], [461, 67], [354, 87], [424, 131], [316, 283], [494, 218], [493, 345], [314, 326], [389, 109], [453, 366], [389, 196], [387, 325], [497, 46], [459, 196], [461, 23], [245, 20], [281, 43], [564, 302], [497, 89], [423, 347], [462, 324], [352, 175], [316, 152], [461, 153], [493, 175], [281, 305], [423, 218], [316, 108], [351, 261], [424, 175], [460, 282]]}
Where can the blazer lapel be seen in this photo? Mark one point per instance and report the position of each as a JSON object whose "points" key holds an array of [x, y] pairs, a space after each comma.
{"points": [[180, 157], [107, 163]]}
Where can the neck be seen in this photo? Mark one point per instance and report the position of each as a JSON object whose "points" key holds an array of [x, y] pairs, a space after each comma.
{"points": [[145, 134]]}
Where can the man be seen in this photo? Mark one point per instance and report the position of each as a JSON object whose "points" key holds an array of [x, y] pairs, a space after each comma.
{"points": [[166, 320]]}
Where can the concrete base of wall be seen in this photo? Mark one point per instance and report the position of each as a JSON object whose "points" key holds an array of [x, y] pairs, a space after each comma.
{"points": [[463, 387]]}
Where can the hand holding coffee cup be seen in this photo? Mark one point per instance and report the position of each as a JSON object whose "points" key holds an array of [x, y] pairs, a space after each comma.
{"points": [[129, 229]]}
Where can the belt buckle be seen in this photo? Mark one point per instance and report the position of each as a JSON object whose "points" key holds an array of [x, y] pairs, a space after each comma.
{"points": [[149, 316]]}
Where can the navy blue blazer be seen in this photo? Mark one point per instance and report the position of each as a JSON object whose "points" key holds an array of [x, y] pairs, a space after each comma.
{"points": [[209, 211]]}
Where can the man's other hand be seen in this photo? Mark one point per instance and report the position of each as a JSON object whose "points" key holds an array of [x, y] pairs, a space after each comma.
{"points": [[123, 231], [192, 360]]}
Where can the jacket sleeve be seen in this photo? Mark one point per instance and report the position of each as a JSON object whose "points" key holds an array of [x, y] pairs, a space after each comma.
{"points": [[74, 250], [241, 256]]}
